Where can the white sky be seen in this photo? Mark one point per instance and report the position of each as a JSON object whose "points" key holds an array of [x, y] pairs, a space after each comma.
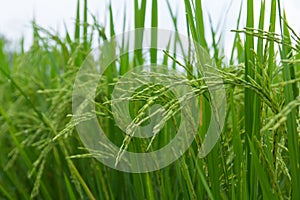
{"points": [[15, 15]]}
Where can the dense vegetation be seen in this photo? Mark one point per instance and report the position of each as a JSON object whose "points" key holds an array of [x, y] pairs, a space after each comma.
{"points": [[256, 157]]}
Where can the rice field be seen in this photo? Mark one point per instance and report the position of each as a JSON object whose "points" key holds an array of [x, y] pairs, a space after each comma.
{"points": [[256, 154]]}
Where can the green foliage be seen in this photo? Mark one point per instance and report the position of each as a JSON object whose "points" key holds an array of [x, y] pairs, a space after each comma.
{"points": [[256, 157]]}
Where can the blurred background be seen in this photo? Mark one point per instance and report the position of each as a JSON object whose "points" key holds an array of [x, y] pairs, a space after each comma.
{"points": [[16, 16]]}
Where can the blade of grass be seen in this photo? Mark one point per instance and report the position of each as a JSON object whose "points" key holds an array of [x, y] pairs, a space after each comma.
{"points": [[258, 71], [85, 26], [154, 24], [77, 23], [200, 24], [69, 188], [139, 22], [249, 98], [271, 43]]}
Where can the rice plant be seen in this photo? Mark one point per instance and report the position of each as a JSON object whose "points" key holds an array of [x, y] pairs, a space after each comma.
{"points": [[256, 156]]}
